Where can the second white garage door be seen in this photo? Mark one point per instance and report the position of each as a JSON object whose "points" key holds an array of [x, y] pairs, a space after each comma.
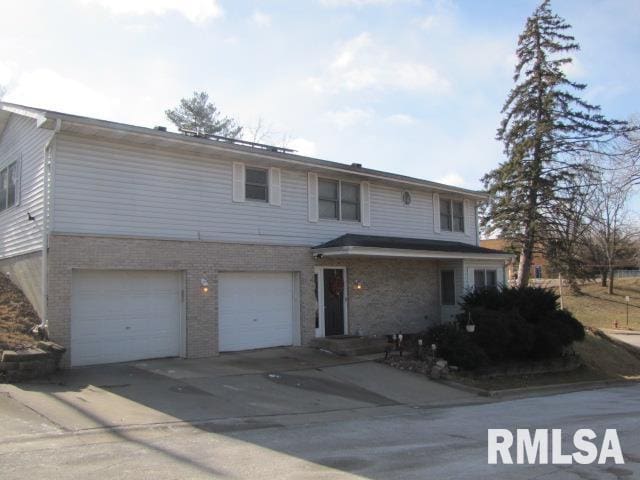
{"points": [[119, 316], [256, 310]]}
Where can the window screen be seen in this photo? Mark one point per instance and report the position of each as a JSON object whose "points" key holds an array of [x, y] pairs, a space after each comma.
{"points": [[257, 184], [328, 199], [447, 287]]}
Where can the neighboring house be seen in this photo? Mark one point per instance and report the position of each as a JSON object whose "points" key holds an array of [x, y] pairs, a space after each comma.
{"points": [[159, 244], [539, 266]]}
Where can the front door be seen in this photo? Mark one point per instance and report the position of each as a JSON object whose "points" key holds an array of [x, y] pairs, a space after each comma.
{"points": [[334, 286]]}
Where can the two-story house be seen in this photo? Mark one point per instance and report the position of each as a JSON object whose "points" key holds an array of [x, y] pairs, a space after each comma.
{"points": [[137, 243]]}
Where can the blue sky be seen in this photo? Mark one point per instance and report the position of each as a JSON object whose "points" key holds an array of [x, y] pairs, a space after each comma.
{"points": [[411, 86]]}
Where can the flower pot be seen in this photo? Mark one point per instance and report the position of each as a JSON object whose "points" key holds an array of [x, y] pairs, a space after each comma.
{"points": [[471, 328]]}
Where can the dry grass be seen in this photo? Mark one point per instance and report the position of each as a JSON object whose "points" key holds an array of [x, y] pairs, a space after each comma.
{"points": [[17, 317], [603, 360], [596, 308]]}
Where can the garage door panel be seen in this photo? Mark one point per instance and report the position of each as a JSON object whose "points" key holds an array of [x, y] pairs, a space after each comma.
{"points": [[124, 315], [255, 310]]}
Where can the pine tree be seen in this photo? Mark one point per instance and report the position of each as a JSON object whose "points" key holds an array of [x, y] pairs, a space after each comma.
{"points": [[545, 129], [198, 115]]}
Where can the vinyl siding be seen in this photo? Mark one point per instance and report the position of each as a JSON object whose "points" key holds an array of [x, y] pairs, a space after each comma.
{"points": [[21, 139], [448, 312], [110, 188]]}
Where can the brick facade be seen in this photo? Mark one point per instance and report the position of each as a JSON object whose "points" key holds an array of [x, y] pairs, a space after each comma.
{"points": [[397, 293]]}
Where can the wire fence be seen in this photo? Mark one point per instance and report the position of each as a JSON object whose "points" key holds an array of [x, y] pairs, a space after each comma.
{"points": [[626, 273]]}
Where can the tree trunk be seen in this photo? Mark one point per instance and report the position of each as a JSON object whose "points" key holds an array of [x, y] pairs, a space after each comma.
{"points": [[610, 280], [524, 267], [603, 279]]}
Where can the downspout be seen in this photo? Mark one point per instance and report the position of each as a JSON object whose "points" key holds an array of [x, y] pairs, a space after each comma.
{"points": [[46, 212]]}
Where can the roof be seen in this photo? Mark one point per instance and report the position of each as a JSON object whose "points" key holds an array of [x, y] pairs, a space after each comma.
{"points": [[73, 123], [355, 240]]}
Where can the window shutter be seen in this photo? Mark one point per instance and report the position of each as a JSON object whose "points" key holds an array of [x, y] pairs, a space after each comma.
{"points": [[275, 188], [469, 217], [436, 213], [365, 204], [312, 194], [238, 182]]}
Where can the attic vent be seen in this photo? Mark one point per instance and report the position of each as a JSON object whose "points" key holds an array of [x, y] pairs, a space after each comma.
{"points": [[356, 165], [160, 128]]}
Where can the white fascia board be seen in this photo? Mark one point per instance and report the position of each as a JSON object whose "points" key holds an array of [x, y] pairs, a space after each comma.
{"points": [[405, 253]]}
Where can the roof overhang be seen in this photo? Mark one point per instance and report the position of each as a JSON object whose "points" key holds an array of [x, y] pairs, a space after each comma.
{"points": [[354, 251], [78, 125]]}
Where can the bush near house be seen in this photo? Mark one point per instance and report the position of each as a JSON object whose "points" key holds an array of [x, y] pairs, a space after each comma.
{"points": [[511, 324]]}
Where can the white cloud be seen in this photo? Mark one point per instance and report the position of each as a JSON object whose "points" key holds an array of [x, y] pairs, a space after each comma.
{"points": [[361, 64], [401, 119], [358, 3], [349, 117], [302, 146], [452, 178], [442, 15], [48, 89], [196, 11], [261, 19]]}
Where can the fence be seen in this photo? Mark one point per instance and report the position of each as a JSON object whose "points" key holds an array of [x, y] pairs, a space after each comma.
{"points": [[626, 273]]}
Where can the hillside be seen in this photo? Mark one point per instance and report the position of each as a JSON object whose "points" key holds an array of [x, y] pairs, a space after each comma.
{"points": [[17, 317]]}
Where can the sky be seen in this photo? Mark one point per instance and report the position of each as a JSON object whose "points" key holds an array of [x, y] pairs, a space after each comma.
{"points": [[408, 86]]}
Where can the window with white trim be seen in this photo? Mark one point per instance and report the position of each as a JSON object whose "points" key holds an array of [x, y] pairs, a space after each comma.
{"points": [[256, 184], [485, 278], [338, 200], [447, 287], [451, 215], [9, 186]]}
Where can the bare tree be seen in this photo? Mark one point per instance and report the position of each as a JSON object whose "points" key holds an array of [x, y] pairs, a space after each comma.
{"points": [[611, 229]]}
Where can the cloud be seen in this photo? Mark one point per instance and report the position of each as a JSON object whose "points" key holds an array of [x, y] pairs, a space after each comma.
{"points": [[360, 3], [401, 119], [360, 64], [302, 146], [452, 178], [48, 89], [6, 73], [196, 11], [349, 117], [261, 19], [442, 15]]}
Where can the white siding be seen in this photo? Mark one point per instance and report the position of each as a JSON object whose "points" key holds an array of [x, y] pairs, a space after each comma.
{"points": [[21, 139], [117, 189]]}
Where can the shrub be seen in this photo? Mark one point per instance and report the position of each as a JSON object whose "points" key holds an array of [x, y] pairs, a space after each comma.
{"points": [[532, 303], [456, 346]]}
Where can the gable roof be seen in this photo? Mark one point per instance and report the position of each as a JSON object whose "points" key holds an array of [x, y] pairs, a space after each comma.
{"points": [[79, 124]]}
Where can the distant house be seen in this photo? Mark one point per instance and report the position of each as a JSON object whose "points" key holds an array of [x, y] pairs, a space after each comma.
{"points": [[136, 243], [539, 266]]}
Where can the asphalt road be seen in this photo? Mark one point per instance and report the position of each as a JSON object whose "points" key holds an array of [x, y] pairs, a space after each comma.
{"points": [[379, 442]]}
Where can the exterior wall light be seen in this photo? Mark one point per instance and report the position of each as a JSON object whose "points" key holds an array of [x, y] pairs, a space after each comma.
{"points": [[204, 285], [358, 285]]}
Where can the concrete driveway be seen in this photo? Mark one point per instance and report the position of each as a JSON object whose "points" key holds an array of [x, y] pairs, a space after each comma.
{"points": [[235, 391]]}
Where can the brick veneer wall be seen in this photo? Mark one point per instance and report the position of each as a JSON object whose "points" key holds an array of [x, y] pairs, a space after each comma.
{"points": [[195, 259]]}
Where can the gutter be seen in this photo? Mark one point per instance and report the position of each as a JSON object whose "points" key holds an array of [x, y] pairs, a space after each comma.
{"points": [[47, 159]]}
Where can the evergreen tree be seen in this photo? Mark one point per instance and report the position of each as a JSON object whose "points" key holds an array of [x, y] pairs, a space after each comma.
{"points": [[198, 115], [545, 129]]}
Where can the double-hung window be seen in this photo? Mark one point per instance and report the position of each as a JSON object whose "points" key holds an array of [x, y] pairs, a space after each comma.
{"points": [[8, 186], [257, 184], [485, 278], [451, 215], [338, 200]]}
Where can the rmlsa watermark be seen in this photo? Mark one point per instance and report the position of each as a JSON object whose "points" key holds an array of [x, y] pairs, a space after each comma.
{"points": [[543, 446]]}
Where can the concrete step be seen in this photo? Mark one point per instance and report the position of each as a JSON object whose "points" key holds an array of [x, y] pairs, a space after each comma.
{"points": [[351, 345]]}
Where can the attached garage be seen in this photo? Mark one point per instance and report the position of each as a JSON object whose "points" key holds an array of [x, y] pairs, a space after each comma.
{"points": [[119, 316], [257, 310]]}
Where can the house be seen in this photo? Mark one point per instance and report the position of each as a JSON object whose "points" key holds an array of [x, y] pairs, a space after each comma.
{"points": [[137, 243], [539, 266]]}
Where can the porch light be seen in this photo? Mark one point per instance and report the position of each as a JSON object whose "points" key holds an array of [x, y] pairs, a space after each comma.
{"points": [[358, 285], [204, 285]]}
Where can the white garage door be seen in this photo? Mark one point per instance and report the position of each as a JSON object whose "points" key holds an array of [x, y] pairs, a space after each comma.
{"points": [[118, 316], [255, 310]]}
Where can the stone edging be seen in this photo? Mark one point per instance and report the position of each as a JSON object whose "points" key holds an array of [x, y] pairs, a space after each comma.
{"points": [[16, 366]]}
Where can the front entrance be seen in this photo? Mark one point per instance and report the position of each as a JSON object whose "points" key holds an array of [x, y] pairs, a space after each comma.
{"points": [[331, 290]]}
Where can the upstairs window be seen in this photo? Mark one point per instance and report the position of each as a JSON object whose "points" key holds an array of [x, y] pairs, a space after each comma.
{"points": [[451, 215], [338, 200], [8, 186], [257, 184]]}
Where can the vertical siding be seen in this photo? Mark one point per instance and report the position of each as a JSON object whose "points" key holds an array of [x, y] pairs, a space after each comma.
{"points": [[22, 139], [118, 189]]}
